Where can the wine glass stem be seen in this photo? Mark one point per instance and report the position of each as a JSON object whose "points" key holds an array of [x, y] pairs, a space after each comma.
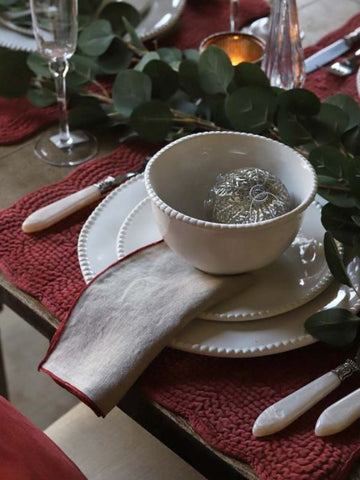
{"points": [[59, 69], [234, 15]]}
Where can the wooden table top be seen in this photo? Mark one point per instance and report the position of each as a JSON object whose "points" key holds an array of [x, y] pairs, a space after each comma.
{"points": [[21, 172]]}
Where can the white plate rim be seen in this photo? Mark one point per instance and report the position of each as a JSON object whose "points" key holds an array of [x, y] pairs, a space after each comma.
{"points": [[321, 285], [269, 348], [17, 41]]}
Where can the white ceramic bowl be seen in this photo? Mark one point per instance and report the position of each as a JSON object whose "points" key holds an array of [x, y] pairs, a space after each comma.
{"points": [[178, 179]]}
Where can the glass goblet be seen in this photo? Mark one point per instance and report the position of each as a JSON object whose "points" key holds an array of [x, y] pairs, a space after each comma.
{"points": [[55, 30]]}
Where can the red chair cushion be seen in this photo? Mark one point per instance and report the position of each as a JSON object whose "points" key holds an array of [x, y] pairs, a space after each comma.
{"points": [[26, 453]]}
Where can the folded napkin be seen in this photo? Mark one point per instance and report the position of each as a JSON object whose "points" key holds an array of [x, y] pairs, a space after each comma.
{"points": [[124, 318]]}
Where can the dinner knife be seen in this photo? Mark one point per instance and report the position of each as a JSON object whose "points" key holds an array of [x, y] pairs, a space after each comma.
{"points": [[332, 51], [47, 216], [281, 414], [339, 415]]}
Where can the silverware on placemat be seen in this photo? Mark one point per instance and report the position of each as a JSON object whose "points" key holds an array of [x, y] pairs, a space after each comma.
{"points": [[345, 67], [284, 412], [51, 214], [331, 52]]}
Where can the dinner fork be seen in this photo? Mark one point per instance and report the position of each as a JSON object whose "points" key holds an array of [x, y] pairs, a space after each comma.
{"points": [[345, 67]]}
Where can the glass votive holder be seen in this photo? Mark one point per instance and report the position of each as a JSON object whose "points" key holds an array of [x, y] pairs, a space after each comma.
{"points": [[239, 47]]}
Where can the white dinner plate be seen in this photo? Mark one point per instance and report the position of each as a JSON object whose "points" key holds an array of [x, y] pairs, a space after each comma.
{"points": [[297, 277], [97, 250], [160, 16]]}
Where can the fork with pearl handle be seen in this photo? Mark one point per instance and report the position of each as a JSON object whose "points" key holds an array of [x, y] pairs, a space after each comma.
{"points": [[284, 412]]}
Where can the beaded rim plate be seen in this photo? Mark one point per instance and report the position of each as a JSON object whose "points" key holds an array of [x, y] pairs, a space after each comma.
{"points": [[297, 277], [159, 16], [97, 250]]}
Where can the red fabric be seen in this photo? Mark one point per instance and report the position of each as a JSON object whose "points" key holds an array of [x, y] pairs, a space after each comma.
{"points": [[26, 453], [219, 397]]}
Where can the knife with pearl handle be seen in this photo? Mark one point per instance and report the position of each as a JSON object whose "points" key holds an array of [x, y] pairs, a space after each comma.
{"points": [[281, 414], [332, 51], [339, 415], [47, 216]]}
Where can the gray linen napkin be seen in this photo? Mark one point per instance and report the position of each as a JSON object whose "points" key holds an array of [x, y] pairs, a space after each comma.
{"points": [[125, 318]]}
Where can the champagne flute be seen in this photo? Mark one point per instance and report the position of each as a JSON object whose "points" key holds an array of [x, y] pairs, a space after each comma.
{"points": [[55, 30]]}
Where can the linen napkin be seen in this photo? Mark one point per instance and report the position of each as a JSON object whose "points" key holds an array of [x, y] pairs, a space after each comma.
{"points": [[125, 317]]}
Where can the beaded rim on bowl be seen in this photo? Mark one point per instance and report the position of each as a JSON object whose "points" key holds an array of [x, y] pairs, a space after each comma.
{"points": [[172, 213]]}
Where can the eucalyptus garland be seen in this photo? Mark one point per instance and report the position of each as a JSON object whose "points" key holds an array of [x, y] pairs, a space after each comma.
{"points": [[162, 94]]}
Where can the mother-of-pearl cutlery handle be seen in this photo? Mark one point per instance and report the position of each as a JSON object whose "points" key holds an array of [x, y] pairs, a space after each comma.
{"points": [[288, 409], [339, 415], [54, 212]]}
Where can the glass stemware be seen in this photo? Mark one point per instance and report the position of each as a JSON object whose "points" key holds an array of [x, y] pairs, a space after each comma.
{"points": [[55, 30], [284, 57]]}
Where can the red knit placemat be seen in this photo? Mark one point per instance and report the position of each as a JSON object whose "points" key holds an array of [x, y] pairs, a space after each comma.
{"points": [[220, 397]]}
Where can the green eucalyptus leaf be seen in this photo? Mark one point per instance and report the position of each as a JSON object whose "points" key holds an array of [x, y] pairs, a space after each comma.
{"points": [[96, 38], [292, 132], [189, 78], [117, 57], [334, 260], [114, 13], [351, 140], [356, 219], [164, 79], [328, 160], [130, 89], [7, 3], [15, 74], [337, 327], [249, 74], [251, 109], [146, 59], [218, 111], [338, 198], [349, 106], [182, 102], [41, 97], [133, 35], [82, 71], [191, 54], [334, 118], [39, 65], [86, 116], [354, 177], [152, 120], [299, 101], [215, 70], [338, 222], [170, 55]]}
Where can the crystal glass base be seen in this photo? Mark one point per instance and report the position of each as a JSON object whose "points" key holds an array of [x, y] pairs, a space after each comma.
{"points": [[75, 154]]}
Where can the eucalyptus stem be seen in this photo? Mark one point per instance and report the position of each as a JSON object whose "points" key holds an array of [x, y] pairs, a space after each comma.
{"points": [[335, 188], [185, 119], [101, 88]]}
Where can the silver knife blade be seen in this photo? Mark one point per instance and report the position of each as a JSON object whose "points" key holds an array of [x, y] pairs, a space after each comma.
{"points": [[332, 51]]}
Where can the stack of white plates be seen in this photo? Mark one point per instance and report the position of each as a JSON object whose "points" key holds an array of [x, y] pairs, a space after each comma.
{"points": [[267, 318]]}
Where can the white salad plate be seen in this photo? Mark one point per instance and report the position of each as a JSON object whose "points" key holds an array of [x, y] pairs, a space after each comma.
{"points": [[97, 249], [159, 16], [298, 276]]}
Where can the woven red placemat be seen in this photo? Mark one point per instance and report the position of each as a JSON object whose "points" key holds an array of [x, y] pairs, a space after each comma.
{"points": [[220, 397]]}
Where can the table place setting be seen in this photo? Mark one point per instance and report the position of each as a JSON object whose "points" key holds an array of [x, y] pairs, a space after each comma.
{"points": [[155, 282]]}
